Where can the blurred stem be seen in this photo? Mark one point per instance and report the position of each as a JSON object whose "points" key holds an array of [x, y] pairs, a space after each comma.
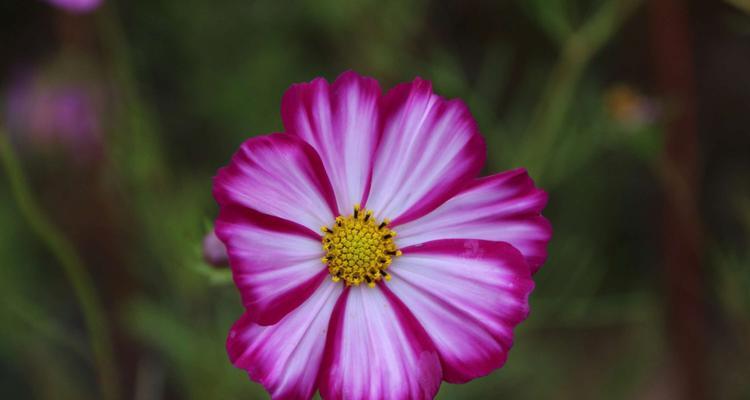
{"points": [[136, 132], [577, 50], [743, 5], [27, 314], [139, 158], [687, 319], [80, 280]]}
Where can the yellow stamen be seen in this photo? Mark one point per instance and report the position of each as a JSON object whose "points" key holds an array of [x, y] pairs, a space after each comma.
{"points": [[359, 249]]}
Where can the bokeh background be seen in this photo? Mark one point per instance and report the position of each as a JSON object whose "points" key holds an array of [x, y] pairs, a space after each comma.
{"points": [[633, 115]]}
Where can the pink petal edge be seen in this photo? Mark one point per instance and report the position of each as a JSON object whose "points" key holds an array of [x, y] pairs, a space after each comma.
{"points": [[341, 121], [468, 295], [279, 175], [285, 358], [505, 207], [275, 263], [375, 349], [429, 148]]}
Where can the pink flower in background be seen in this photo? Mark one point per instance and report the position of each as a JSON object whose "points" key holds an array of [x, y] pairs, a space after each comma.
{"points": [[76, 6], [371, 260], [50, 110]]}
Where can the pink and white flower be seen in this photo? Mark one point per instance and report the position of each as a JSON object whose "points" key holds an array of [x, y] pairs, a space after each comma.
{"points": [[353, 309]]}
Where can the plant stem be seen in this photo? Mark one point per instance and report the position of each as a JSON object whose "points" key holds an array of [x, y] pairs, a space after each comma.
{"points": [[576, 52], [82, 283], [683, 240]]}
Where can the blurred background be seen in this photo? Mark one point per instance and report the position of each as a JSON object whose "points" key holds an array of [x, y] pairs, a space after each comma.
{"points": [[633, 115]]}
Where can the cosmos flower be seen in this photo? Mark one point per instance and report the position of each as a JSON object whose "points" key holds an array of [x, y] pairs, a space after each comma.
{"points": [[47, 111], [371, 260], [76, 6]]}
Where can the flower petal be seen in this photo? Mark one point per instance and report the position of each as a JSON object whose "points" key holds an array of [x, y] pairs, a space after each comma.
{"points": [[429, 148], [278, 175], [505, 207], [376, 350], [341, 122], [285, 357], [468, 295], [275, 263]]}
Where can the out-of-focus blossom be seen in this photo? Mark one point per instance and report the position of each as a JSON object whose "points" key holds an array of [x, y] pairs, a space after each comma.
{"points": [[629, 107], [214, 251], [76, 6], [382, 316], [52, 110]]}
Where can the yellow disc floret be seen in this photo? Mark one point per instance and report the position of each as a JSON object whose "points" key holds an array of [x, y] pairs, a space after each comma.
{"points": [[359, 249]]}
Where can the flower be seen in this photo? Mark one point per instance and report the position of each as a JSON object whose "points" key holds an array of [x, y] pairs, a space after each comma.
{"points": [[420, 271], [76, 6]]}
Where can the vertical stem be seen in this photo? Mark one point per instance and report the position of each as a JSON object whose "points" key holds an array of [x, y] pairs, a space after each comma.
{"points": [[682, 241], [83, 286], [549, 114]]}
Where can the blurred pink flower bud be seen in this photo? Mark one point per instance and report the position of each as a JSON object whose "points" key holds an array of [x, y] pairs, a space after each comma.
{"points": [[76, 6], [214, 251], [56, 110]]}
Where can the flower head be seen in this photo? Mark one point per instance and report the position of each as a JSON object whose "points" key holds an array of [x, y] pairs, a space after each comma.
{"points": [[371, 260]]}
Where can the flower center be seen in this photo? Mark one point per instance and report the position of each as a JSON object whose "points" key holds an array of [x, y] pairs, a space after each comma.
{"points": [[359, 249]]}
